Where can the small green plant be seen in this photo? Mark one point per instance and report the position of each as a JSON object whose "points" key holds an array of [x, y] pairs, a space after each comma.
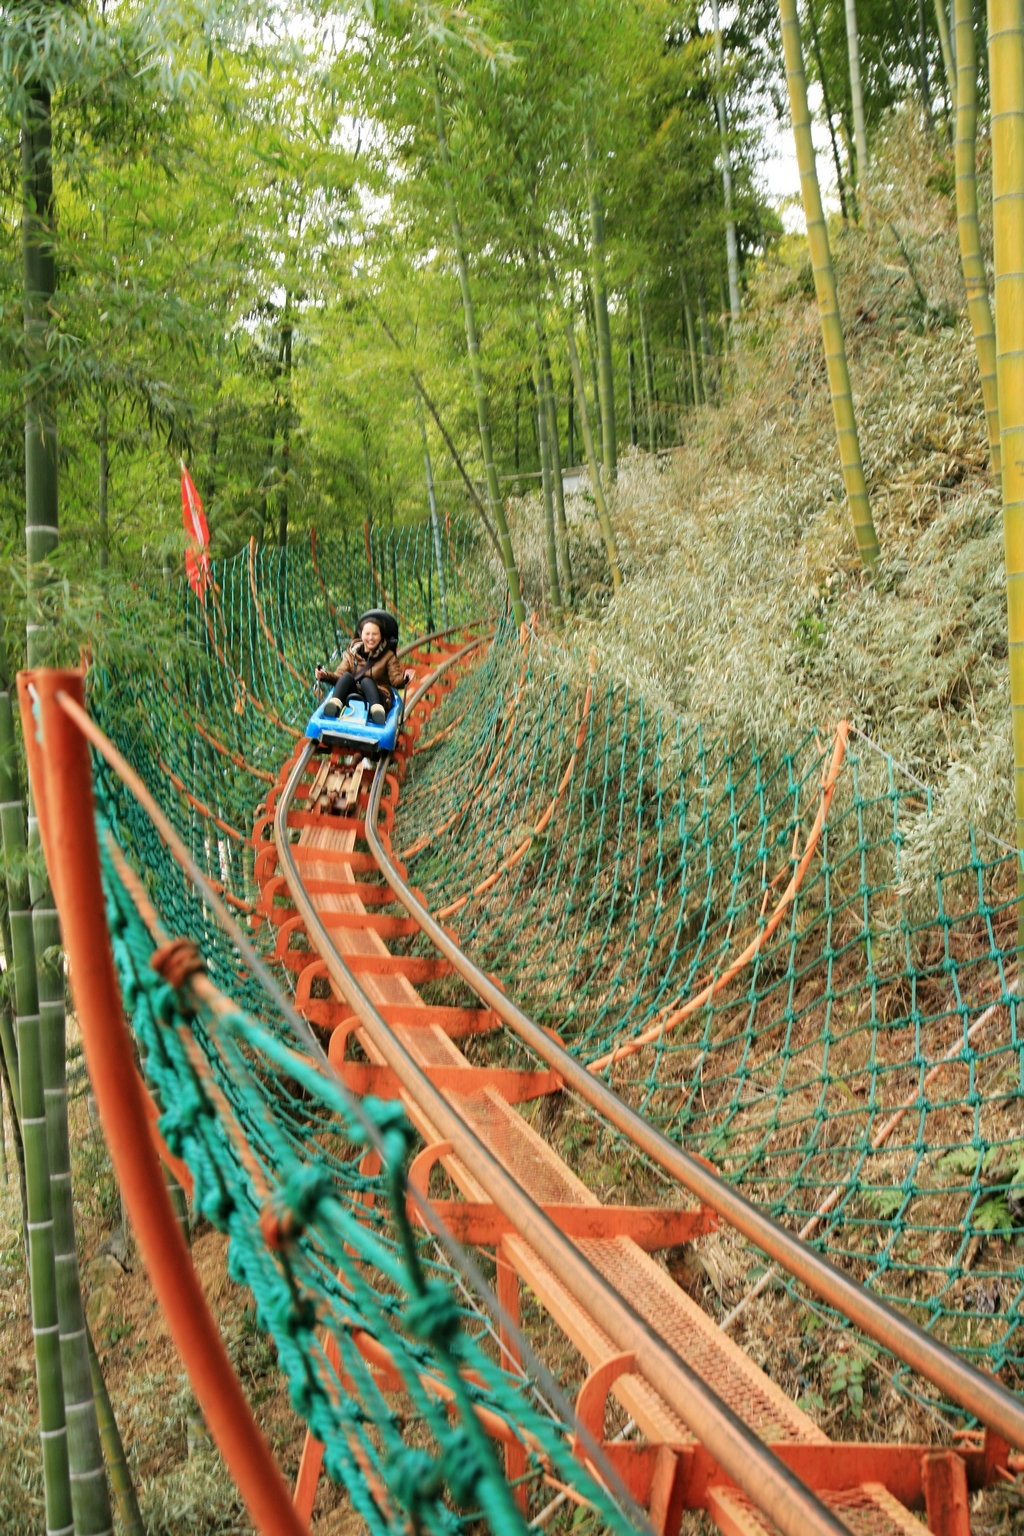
{"points": [[883, 1202], [845, 1373]]}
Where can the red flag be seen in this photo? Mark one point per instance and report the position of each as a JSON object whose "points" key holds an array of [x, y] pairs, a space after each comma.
{"points": [[197, 536]]}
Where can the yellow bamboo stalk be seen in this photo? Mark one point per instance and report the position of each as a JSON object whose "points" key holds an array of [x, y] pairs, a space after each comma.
{"points": [[828, 299], [1006, 76], [947, 51], [975, 280]]}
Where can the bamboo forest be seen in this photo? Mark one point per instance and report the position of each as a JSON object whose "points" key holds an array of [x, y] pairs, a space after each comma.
{"points": [[512, 768]]}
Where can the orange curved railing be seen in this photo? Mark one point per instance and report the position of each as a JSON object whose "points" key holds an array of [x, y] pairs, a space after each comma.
{"points": [[62, 784]]}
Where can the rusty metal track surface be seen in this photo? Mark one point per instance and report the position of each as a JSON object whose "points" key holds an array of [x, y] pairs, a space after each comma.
{"points": [[707, 1415]]}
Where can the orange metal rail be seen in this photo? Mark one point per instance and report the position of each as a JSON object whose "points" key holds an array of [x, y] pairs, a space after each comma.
{"points": [[980, 1395], [645, 1341], [62, 785], [718, 1434]]}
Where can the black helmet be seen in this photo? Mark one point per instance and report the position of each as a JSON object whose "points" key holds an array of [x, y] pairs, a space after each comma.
{"points": [[385, 622]]}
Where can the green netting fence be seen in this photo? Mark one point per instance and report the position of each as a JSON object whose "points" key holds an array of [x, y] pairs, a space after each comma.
{"points": [[663, 860], [262, 1128], [865, 1062]]}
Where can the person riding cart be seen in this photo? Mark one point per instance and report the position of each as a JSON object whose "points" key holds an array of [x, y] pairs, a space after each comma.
{"points": [[369, 669]]}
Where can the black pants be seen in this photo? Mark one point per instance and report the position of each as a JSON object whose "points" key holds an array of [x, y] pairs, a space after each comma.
{"points": [[367, 689]]}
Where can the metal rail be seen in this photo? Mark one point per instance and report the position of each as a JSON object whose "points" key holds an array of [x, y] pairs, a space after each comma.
{"points": [[742, 1456], [982, 1396]]}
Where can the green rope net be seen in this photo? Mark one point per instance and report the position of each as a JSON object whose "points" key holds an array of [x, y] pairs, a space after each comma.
{"points": [[863, 1066], [273, 1143], [752, 969]]}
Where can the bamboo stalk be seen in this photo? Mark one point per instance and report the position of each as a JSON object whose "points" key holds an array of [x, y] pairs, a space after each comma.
{"points": [[648, 375], [590, 327], [860, 134], [40, 535], [103, 487], [922, 68], [555, 450], [948, 61], [709, 362], [819, 59], [9, 1063], [828, 299], [603, 518], [113, 1449], [699, 397], [36, 933], [42, 1274], [1006, 83], [606, 371], [432, 501], [731, 249], [550, 551], [971, 258], [479, 388]]}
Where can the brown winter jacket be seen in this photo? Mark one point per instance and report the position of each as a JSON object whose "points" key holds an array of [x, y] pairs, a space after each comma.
{"points": [[382, 665]]}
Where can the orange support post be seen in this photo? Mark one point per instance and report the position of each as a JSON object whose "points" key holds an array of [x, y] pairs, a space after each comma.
{"points": [[62, 784], [508, 1299], [944, 1479]]}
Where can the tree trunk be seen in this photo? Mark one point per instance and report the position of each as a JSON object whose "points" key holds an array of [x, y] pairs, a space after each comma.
{"points": [[972, 261], [603, 325], [828, 301], [631, 361], [434, 526], [555, 452], [860, 134], [1006, 85], [645, 347], [479, 390], [103, 489], [731, 249], [550, 550]]}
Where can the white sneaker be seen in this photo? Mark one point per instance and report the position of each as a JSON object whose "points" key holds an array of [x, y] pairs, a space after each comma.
{"points": [[378, 714]]}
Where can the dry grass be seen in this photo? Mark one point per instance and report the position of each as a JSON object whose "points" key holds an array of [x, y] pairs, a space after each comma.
{"points": [[744, 606]]}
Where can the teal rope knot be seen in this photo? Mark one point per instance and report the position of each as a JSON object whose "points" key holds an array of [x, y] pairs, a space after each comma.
{"points": [[414, 1478], [166, 1004], [463, 1468], [300, 1317], [395, 1127], [432, 1316], [306, 1188]]}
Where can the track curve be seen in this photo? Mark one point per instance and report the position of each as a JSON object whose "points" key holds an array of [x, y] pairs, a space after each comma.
{"points": [[706, 1446]]}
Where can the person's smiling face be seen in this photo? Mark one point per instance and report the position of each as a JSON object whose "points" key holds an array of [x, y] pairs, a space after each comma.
{"points": [[370, 636]]}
